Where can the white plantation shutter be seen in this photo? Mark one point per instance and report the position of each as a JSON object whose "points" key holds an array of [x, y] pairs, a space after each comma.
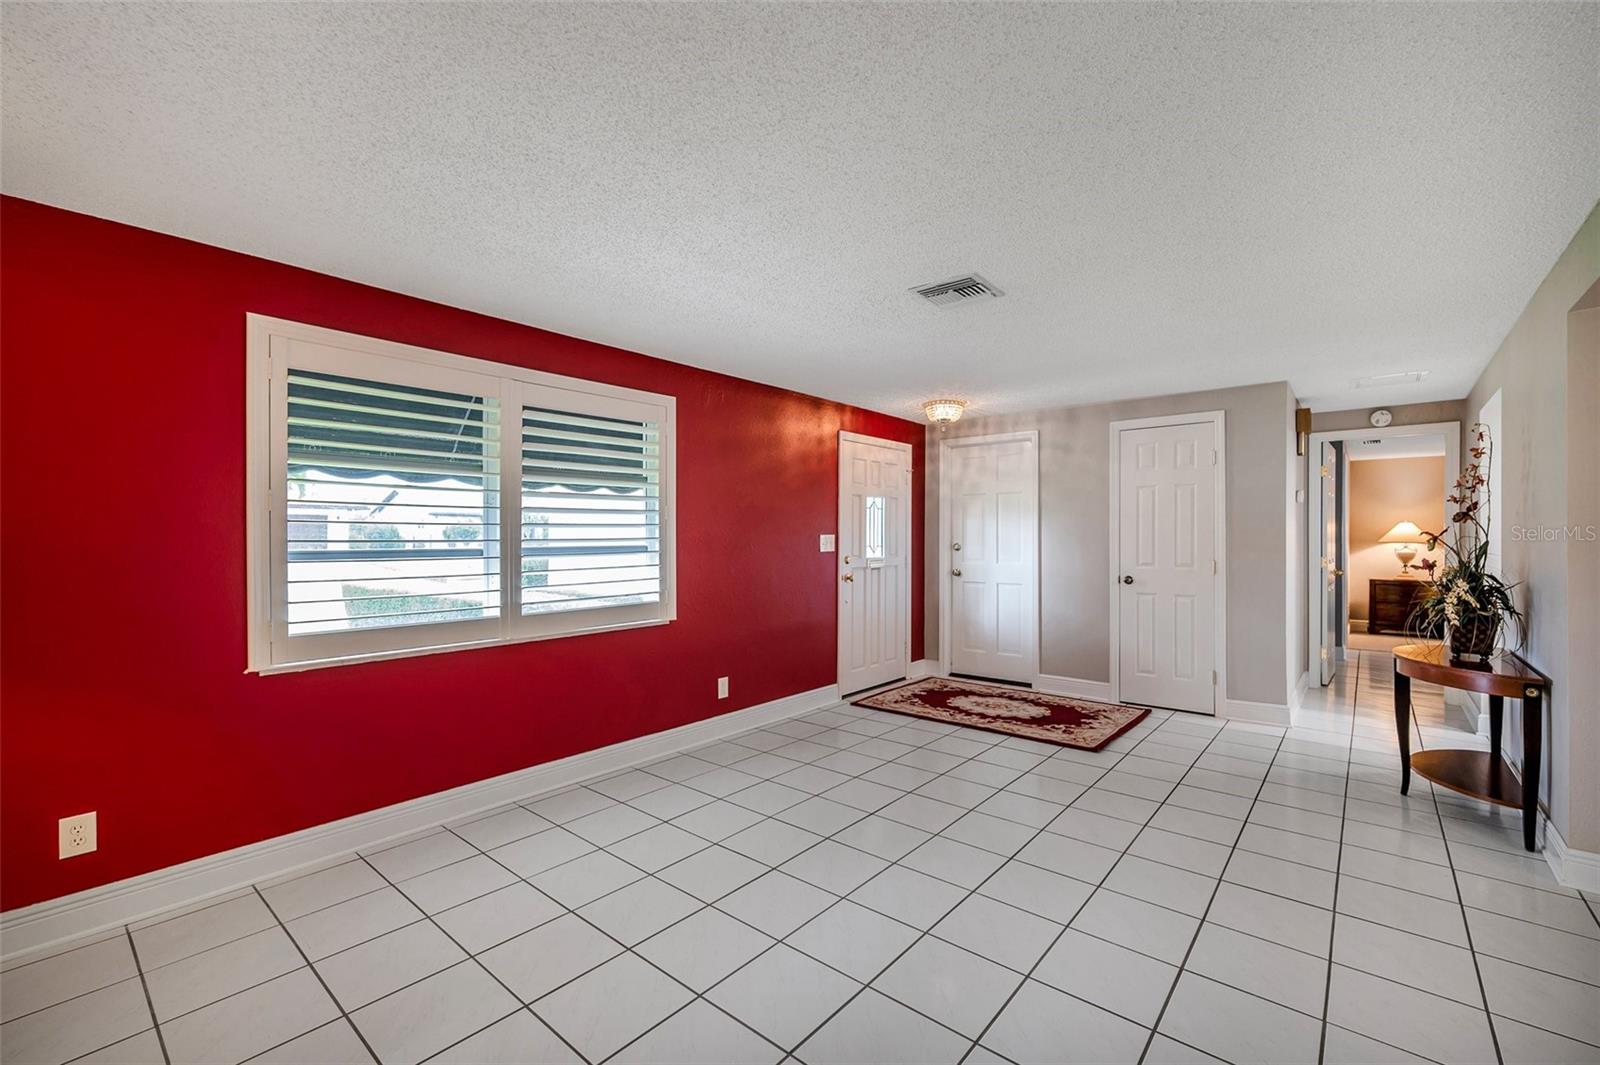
{"points": [[389, 522], [591, 511], [400, 488]]}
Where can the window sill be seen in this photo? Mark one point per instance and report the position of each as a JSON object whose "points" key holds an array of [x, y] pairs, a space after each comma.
{"points": [[271, 669]]}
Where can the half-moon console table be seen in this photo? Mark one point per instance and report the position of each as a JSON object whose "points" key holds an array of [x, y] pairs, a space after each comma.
{"points": [[1480, 774]]}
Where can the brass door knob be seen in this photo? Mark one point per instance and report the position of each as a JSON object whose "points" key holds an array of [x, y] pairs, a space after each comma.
{"points": [[955, 547], [1128, 579], [849, 577], [955, 573]]}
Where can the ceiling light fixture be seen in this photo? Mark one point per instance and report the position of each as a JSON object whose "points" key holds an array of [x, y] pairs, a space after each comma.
{"points": [[943, 412]]}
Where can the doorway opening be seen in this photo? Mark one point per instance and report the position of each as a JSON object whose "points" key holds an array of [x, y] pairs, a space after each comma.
{"points": [[1375, 494]]}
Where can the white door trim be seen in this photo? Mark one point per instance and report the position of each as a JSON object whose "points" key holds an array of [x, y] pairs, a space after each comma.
{"points": [[1217, 418], [905, 531], [945, 560], [1452, 468]]}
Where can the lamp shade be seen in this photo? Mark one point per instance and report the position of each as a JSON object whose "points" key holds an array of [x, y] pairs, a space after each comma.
{"points": [[1405, 532]]}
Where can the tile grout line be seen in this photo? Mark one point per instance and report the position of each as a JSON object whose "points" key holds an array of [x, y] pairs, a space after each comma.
{"points": [[1333, 922], [927, 933], [937, 735], [1472, 951], [324, 984], [705, 905], [923, 933], [470, 956], [148, 1001], [1098, 886], [1155, 1026], [970, 893]]}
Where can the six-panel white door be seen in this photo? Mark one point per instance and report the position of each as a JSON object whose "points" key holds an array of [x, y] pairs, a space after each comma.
{"points": [[1166, 565], [993, 494], [874, 562]]}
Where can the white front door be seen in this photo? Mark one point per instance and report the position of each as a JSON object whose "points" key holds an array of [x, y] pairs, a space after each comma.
{"points": [[1166, 565], [874, 562], [1328, 649], [992, 492]]}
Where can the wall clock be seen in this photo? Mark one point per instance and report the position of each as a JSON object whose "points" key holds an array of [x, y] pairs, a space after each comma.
{"points": [[1381, 418]]}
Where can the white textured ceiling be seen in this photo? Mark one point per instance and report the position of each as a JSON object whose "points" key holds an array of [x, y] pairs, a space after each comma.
{"points": [[1172, 197]]}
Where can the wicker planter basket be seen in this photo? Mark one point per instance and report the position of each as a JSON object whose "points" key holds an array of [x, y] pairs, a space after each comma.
{"points": [[1476, 637]]}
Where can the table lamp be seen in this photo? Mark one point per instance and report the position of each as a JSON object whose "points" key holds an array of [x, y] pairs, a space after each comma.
{"points": [[1406, 537]]}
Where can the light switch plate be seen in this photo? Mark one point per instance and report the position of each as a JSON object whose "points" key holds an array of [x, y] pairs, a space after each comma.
{"points": [[825, 543], [722, 687]]}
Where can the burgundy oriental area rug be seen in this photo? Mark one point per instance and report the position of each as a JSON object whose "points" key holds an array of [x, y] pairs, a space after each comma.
{"points": [[1059, 719]]}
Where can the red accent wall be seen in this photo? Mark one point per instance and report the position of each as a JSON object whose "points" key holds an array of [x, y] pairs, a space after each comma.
{"points": [[123, 571]]}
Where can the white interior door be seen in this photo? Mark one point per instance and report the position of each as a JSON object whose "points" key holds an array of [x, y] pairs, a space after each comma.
{"points": [[992, 492], [1328, 648], [1166, 570], [874, 562]]}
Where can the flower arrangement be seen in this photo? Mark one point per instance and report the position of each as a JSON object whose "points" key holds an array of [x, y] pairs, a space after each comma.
{"points": [[1464, 596]]}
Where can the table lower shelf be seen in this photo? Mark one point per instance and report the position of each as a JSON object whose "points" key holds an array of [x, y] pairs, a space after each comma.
{"points": [[1475, 773]]}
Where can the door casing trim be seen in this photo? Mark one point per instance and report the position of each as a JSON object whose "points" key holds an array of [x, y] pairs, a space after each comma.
{"points": [[905, 528], [946, 562], [1219, 691]]}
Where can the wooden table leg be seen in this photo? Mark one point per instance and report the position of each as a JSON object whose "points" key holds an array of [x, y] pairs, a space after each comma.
{"points": [[1402, 725], [1496, 716], [1532, 733]]}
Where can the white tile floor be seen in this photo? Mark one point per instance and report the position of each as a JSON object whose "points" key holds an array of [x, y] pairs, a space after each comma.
{"points": [[856, 886]]}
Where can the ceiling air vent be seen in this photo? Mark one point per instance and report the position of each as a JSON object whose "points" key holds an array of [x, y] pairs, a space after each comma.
{"points": [[958, 290]]}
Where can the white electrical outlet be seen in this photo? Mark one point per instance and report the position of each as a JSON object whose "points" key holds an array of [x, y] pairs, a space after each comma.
{"points": [[825, 543], [78, 835], [722, 687]]}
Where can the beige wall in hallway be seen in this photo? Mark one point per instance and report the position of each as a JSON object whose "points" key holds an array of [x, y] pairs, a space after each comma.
{"points": [[1382, 493], [1544, 373], [1075, 549]]}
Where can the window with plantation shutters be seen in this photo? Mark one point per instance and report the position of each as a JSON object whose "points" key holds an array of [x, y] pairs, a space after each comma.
{"points": [[407, 501]]}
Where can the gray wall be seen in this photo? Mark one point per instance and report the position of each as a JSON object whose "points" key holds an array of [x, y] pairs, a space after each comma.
{"points": [[1544, 372], [1450, 410], [1075, 548]]}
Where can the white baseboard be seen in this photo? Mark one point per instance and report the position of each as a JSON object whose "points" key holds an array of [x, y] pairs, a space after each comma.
{"points": [[32, 928], [1097, 690], [923, 667], [1474, 714], [1297, 696], [1262, 713], [1574, 868]]}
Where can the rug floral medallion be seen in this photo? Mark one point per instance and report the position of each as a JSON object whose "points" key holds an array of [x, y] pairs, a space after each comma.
{"points": [[1060, 719]]}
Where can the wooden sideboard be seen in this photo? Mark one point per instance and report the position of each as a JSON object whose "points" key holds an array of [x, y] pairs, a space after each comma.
{"points": [[1389, 603]]}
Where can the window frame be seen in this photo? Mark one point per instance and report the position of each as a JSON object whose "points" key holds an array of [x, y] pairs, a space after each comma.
{"points": [[274, 345]]}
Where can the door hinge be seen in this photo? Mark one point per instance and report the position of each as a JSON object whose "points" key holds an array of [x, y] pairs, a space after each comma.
{"points": [[1213, 567], [1213, 456], [1213, 678]]}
